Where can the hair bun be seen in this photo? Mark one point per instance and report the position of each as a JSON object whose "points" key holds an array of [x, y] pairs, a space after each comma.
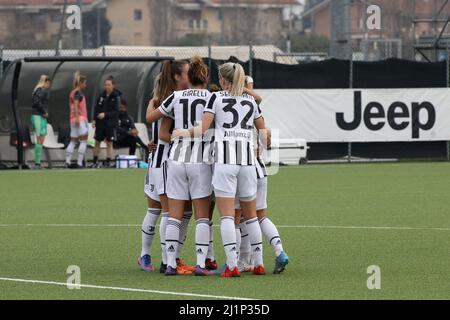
{"points": [[196, 60]]}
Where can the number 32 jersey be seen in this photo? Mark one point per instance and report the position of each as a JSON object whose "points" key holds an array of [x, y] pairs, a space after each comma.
{"points": [[234, 123], [186, 109]]}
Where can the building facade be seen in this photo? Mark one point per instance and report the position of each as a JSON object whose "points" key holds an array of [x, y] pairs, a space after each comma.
{"points": [[34, 23], [397, 17], [168, 22]]}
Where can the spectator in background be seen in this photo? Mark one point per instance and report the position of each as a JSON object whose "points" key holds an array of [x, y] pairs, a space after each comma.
{"points": [[127, 134], [39, 116], [78, 121], [106, 120]]}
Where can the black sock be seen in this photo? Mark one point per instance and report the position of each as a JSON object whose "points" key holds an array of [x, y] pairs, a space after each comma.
{"points": [[95, 160], [108, 161]]}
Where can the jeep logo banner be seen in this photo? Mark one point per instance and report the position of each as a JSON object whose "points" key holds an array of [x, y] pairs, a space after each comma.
{"points": [[359, 115]]}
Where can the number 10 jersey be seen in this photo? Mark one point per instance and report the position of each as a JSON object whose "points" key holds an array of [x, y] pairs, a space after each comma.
{"points": [[186, 109]]}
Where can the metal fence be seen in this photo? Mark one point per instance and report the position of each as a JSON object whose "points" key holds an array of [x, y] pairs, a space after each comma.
{"points": [[361, 50], [369, 50], [242, 52]]}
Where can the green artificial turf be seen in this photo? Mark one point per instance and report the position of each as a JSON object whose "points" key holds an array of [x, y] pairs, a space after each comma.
{"points": [[326, 215]]}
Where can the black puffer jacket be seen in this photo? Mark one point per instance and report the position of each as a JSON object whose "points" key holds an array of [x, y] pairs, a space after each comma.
{"points": [[109, 105], [126, 123], [40, 102]]}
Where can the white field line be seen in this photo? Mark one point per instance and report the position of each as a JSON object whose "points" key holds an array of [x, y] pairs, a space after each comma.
{"points": [[217, 226], [185, 294], [69, 225]]}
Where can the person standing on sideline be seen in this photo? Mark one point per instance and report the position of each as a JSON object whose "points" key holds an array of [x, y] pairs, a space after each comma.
{"points": [[106, 120], [78, 121], [39, 116]]}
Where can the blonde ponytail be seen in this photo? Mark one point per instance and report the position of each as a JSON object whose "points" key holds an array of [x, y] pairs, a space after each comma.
{"points": [[238, 84], [78, 79], [234, 73], [43, 79]]}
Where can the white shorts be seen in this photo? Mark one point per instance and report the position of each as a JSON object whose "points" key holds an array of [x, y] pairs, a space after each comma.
{"points": [[261, 196], [188, 181], [150, 185], [234, 181], [160, 179], [79, 131]]}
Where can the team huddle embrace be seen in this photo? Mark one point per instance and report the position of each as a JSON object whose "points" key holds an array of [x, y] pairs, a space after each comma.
{"points": [[206, 153]]}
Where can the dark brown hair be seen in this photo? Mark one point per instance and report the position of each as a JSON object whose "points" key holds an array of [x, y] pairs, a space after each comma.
{"points": [[214, 88], [111, 78], [198, 72], [169, 69]]}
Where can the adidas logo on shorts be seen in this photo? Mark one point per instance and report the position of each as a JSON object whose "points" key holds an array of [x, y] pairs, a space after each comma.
{"points": [[258, 249], [171, 249], [200, 251]]}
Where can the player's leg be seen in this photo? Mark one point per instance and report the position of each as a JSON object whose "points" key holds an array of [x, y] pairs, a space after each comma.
{"points": [[131, 142], [99, 137], [40, 129], [149, 223], [74, 135], [173, 234], [268, 228], [109, 153], [210, 262], [110, 138], [162, 229], [160, 186], [38, 148], [148, 233], [183, 235], [83, 143], [247, 189], [202, 234], [225, 185], [178, 194], [200, 190], [244, 262], [96, 154], [237, 219]]}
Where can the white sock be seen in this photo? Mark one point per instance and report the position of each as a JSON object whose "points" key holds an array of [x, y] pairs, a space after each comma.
{"points": [[270, 231], [172, 236], [69, 152], [201, 241], [162, 236], [183, 231], [238, 241], [228, 232], [81, 152], [254, 232], [245, 250], [148, 230], [210, 254]]}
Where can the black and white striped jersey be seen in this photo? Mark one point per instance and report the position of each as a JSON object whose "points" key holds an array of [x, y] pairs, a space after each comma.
{"points": [[161, 154], [234, 123], [186, 109], [261, 171]]}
